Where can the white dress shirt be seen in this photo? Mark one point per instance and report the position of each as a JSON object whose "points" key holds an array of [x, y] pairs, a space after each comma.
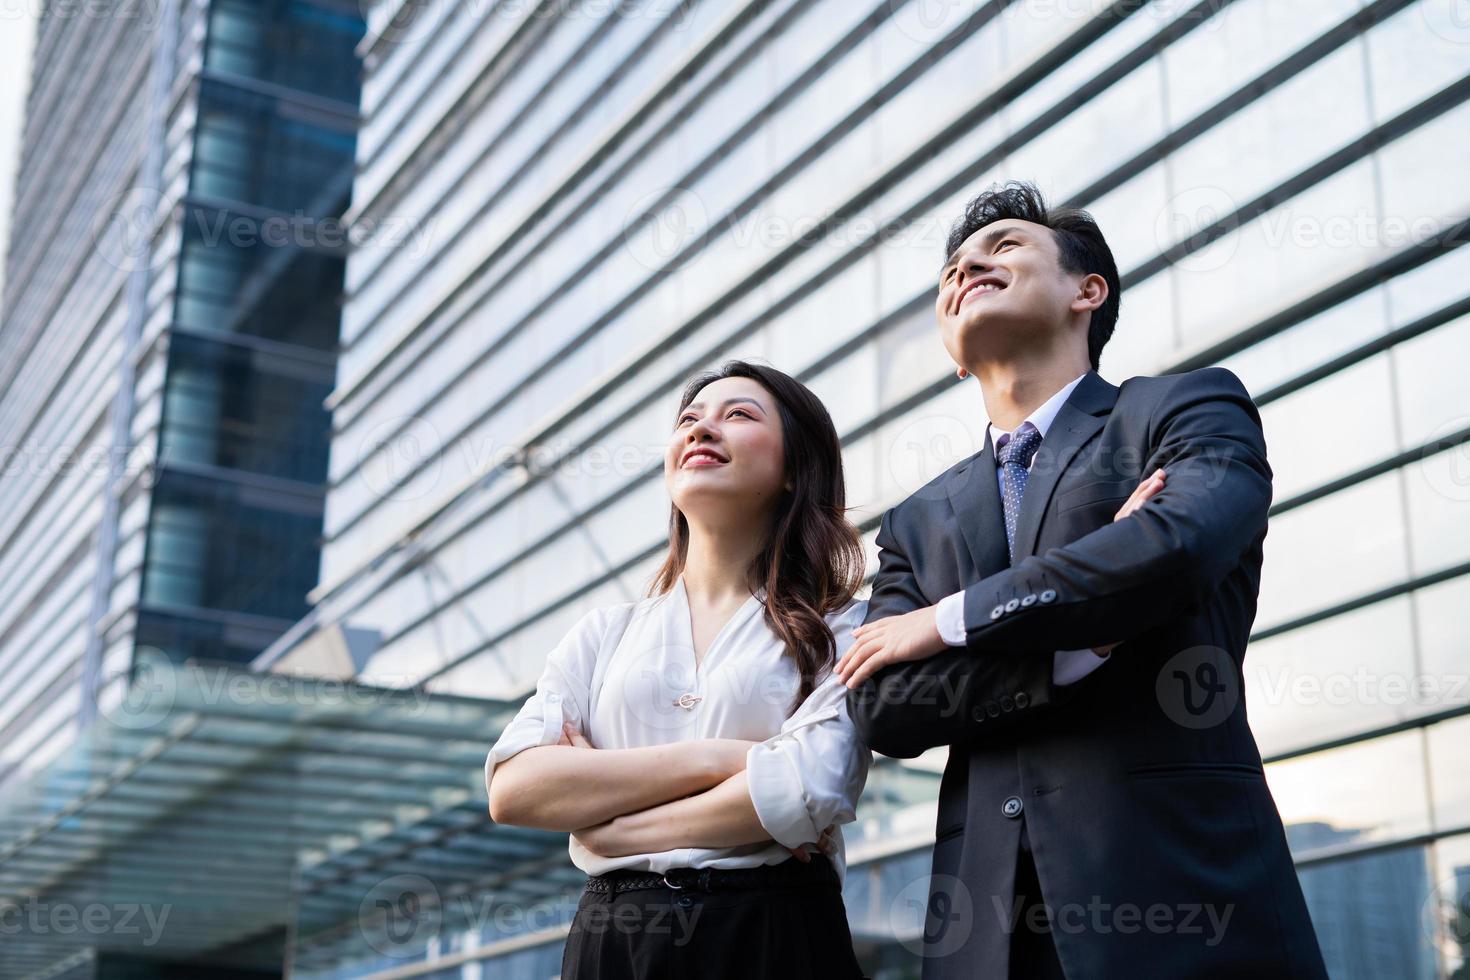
{"points": [[1068, 666], [808, 770]]}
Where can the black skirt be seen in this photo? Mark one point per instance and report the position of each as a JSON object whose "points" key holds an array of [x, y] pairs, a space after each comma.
{"points": [[790, 930]]}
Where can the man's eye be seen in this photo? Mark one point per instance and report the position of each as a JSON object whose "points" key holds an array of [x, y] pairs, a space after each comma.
{"points": [[1008, 241]]}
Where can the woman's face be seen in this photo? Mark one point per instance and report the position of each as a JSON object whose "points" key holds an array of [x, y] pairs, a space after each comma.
{"points": [[741, 468]]}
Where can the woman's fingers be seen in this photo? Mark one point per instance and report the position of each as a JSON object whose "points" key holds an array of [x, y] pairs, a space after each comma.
{"points": [[570, 736], [1141, 494]]}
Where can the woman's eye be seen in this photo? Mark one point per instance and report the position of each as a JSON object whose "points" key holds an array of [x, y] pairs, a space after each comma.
{"points": [[685, 418]]}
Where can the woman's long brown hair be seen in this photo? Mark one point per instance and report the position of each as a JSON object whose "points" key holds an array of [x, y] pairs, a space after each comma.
{"points": [[812, 562]]}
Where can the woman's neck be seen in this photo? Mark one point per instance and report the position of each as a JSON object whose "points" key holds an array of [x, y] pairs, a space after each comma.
{"points": [[717, 564]]}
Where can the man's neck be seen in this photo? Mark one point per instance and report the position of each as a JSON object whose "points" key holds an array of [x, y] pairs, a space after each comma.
{"points": [[1013, 391]]}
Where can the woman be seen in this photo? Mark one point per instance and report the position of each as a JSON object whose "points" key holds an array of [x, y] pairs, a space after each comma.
{"points": [[696, 743]]}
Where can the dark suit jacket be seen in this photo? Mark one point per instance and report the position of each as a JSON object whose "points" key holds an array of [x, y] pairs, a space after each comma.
{"points": [[1156, 841]]}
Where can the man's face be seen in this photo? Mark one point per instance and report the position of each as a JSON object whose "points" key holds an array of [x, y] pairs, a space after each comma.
{"points": [[1004, 292]]}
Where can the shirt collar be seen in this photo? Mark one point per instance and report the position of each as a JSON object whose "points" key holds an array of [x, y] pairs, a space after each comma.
{"points": [[1044, 414]]}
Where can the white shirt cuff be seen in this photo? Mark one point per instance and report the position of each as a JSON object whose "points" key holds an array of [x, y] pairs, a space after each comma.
{"points": [[538, 723], [949, 616], [1070, 666]]}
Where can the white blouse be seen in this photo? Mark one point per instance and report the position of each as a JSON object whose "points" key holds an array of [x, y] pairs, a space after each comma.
{"points": [[643, 689]]}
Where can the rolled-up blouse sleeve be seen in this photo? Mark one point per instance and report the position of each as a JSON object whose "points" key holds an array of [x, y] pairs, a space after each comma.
{"points": [[562, 694], [810, 774]]}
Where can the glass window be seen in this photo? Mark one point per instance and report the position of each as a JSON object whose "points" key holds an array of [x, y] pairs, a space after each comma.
{"points": [[1306, 453], [1334, 678], [1367, 912], [1347, 544], [1444, 642], [1311, 343], [1358, 794]]}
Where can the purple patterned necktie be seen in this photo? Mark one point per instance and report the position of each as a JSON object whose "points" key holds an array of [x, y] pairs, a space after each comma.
{"points": [[1014, 451]]}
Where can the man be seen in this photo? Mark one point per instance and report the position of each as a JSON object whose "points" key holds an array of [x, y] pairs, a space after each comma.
{"points": [[1103, 812]]}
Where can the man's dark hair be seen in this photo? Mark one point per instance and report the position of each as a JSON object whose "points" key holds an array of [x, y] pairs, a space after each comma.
{"points": [[1079, 241]]}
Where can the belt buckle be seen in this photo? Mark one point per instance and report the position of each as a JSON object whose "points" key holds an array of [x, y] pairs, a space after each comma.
{"points": [[701, 875]]}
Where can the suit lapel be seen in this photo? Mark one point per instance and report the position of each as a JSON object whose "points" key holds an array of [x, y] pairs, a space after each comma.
{"points": [[1083, 413], [975, 496]]}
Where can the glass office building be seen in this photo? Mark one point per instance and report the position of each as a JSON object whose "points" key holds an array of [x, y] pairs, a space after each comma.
{"points": [[564, 210], [593, 206], [172, 306]]}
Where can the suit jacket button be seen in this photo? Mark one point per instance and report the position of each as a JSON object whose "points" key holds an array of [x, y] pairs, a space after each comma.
{"points": [[1022, 699], [1048, 595], [992, 709], [1028, 600], [978, 713], [997, 612], [1011, 807], [1006, 704], [1013, 605]]}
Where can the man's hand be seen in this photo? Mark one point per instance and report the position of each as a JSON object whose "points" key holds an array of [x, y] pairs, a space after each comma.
{"points": [[894, 639]]}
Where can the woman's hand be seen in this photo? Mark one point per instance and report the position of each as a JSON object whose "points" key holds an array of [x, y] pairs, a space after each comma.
{"points": [[570, 736], [827, 844], [601, 839], [1141, 494]]}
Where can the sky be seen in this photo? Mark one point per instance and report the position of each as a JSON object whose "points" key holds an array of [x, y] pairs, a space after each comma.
{"points": [[17, 31]]}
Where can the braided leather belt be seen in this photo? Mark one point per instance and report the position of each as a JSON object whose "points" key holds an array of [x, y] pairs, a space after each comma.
{"points": [[791, 872]]}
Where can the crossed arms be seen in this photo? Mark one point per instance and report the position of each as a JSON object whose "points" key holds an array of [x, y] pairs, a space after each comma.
{"points": [[1109, 585]]}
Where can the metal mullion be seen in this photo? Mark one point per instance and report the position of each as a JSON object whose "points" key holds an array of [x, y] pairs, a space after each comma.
{"points": [[153, 816], [297, 769], [243, 779]]}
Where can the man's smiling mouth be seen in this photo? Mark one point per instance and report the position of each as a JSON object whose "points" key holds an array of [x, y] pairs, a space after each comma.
{"points": [[982, 288]]}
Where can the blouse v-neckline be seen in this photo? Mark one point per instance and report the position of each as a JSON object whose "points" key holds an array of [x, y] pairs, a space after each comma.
{"points": [[686, 623]]}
